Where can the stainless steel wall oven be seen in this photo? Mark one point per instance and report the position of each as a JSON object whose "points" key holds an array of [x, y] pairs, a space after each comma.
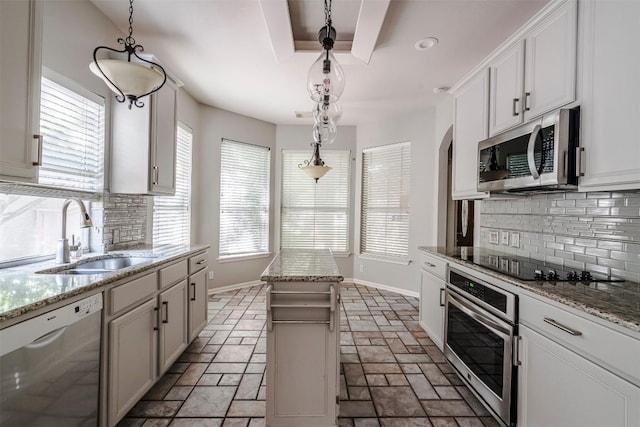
{"points": [[480, 330]]}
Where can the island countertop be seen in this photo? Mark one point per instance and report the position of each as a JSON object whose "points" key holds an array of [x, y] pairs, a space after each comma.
{"points": [[296, 265]]}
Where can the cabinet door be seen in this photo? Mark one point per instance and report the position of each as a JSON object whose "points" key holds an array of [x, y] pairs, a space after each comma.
{"points": [[609, 108], [432, 307], [470, 121], [132, 358], [173, 324], [550, 77], [507, 74], [197, 303], [558, 388], [163, 147], [20, 68]]}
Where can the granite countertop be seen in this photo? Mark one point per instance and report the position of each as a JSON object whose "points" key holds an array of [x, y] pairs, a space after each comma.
{"points": [[23, 290], [296, 265], [617, 302]]}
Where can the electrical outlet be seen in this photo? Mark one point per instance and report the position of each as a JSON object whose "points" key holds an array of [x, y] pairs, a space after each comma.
{"points": [[493, 237], [504, 238], [361, 268], [515, 240], [211, 275]]}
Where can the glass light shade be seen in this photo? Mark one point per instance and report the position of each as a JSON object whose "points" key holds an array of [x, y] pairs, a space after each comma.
{"points": [[316, 172], [130, 77], [324, 112], [325, 78], [325, 132]]}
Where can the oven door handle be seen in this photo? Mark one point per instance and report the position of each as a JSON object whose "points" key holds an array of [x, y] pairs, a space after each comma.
{"points": [[495, 327]]}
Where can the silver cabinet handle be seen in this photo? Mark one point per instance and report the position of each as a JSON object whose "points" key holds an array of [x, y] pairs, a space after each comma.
{"points": [[429, 264], [166, 311], [562, 327], [194, 292], [155, 175], [579, 154], [39, 139], [531, 151], [202, 261], [516, 351], [527, 96], [441, 297], [515, 106]]}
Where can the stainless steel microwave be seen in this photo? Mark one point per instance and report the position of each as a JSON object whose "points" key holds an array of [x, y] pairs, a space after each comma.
{"points": [[540, 155]]}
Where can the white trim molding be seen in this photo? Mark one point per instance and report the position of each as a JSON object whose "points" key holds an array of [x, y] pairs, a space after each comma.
{"points": [[400, 291]]}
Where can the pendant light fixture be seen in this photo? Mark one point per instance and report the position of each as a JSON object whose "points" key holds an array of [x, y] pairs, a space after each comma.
{"points": [[315, 167], [129, 80], [325, 84]]}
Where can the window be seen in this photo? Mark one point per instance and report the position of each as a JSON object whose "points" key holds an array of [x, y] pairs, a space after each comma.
{"points": [[30, 226], [72, 125], [244, 199], [384, 225], [171, 214], [315, 215]]}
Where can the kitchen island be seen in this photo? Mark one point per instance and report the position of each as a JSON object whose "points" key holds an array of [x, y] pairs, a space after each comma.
{"points": [[303, 339]]}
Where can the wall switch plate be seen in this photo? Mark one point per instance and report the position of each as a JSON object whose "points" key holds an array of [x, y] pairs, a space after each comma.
{"points": [[504, 238], [493, 237], [515, 240], [210, 275], [361, 268]]}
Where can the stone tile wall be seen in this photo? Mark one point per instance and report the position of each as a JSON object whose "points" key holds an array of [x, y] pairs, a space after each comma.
{"points": [[595, 231], [124, 219]]}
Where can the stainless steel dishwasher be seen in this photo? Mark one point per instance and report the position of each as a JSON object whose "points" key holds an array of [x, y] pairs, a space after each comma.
{"points": [[50, 367]]}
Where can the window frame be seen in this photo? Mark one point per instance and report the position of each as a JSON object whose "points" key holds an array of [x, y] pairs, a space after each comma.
{"points": [[186, 211], [402, 259], [266, 252], [348, 208]]}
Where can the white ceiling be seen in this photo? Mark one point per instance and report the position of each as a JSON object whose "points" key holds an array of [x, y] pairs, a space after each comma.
{"points": [[227, 55]]}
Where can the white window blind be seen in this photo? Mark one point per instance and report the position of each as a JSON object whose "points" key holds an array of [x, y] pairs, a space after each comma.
{"points": [[384, 226], [73, 129], [244, 199], [171, 214], [315, 215]]}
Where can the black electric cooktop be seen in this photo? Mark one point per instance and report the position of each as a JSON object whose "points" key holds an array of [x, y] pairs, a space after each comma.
{"points": [[528, 269]]}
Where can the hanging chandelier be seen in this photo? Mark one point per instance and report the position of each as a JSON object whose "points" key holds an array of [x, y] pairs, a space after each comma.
{"points": [[315, 167], [129, 80], [325, 84]]}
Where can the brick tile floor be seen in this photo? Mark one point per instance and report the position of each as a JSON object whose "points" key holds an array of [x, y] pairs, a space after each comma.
{"points": [[392, 375]]}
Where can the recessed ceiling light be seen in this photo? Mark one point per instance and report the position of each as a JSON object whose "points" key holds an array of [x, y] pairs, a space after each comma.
{"points": [[426, 43]]}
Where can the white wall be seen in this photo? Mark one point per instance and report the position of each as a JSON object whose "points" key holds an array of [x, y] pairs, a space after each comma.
{"points": [[299, 138], [216, 124], [419, 128]]}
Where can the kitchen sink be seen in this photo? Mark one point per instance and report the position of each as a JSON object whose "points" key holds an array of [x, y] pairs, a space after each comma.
{"points": [[98, 266]]}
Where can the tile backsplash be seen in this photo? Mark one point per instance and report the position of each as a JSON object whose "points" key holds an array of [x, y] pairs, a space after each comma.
{"points": [[595, 231], [124, 219]]}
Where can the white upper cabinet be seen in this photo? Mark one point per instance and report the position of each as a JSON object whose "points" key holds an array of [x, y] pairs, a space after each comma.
{"points": [[20, 68], [610, 110], [507, 76], [470, 119], [143, 148], [537, 73], [550, 76]]}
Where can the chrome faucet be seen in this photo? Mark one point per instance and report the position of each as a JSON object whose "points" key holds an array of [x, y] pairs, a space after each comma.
{"points": [[62, 251]]}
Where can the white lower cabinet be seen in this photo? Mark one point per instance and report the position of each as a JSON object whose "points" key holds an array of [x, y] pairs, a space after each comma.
{"points": [[173, 324], [133, 358], [432, 307], [303, 357], [197, 303], [559, 388]]}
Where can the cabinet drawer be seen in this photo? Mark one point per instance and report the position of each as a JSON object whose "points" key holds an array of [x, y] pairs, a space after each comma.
{"points": [[433, 265], [132, 292], [608, 348], [198, 262], [173, 273]]}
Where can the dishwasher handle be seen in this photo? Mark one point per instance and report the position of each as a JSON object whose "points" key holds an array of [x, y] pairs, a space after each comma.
{"points": [[47, 339]]}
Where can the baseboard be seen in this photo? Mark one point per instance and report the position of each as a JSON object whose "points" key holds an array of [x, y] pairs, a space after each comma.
{"points": [[234, 287], [384, 287]]}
